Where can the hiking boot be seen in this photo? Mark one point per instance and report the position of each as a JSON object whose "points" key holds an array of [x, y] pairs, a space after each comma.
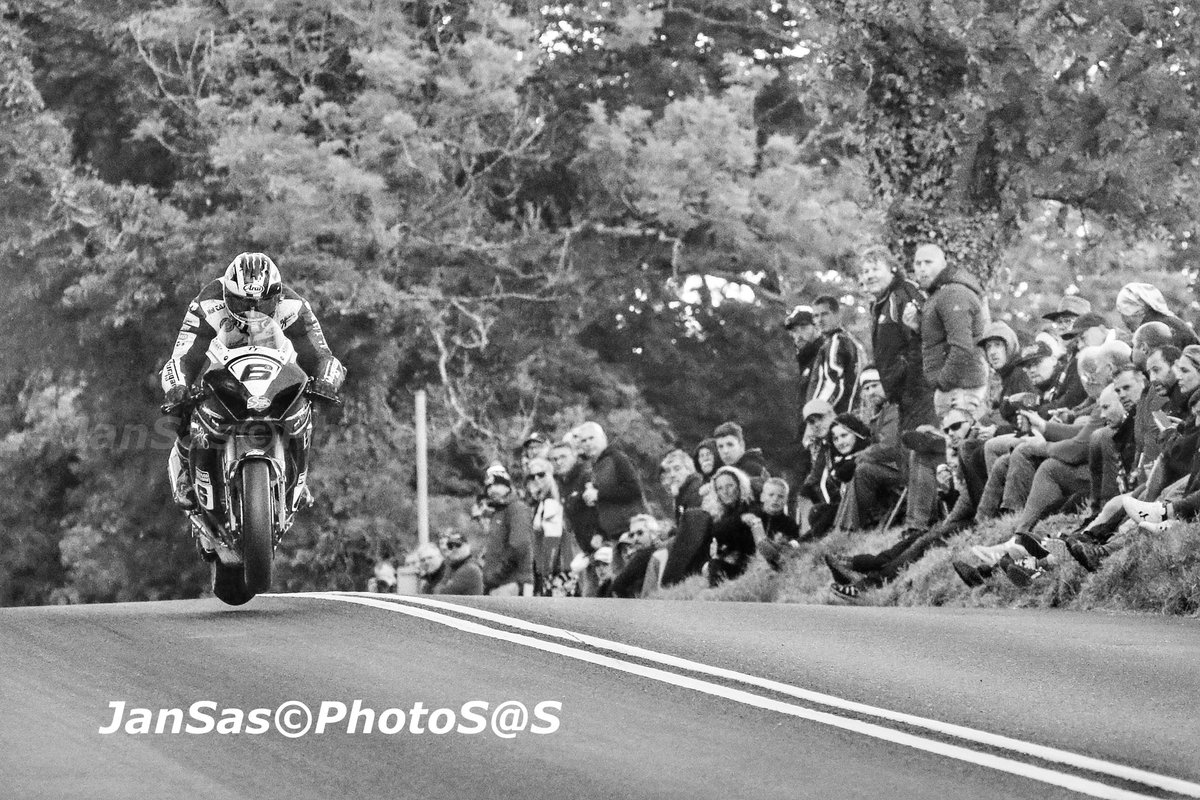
{"points": [[1088, 554], [972, 575], [1024, 572], [992, 554]]}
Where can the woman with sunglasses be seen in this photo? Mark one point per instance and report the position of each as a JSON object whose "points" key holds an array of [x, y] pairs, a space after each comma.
{"points": [[552, 552]]}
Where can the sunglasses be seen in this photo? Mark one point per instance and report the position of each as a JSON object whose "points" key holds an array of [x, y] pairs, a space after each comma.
{"points": [[955, 427], [454, 545], [538, 475]]}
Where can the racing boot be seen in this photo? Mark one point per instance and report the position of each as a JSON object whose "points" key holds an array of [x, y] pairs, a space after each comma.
{"points": [[179, 471]]}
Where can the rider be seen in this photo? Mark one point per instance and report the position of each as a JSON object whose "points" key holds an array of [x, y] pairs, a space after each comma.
{"points": [[251, 283]]}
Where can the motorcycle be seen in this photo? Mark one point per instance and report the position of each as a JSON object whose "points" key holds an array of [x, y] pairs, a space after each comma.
{"points": [[251, 426]]}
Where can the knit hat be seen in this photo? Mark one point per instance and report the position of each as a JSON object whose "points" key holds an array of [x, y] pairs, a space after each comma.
{"points": [[853, 424]]}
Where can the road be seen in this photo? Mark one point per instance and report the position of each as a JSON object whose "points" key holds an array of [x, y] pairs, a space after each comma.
{"points": [[640, 699]]}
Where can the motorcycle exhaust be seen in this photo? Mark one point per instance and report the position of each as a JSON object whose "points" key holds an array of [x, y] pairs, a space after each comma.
{"points": [[209, 541]]}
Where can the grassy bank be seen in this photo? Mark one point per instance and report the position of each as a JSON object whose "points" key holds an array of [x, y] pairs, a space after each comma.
{"points": [[1154, 573]]}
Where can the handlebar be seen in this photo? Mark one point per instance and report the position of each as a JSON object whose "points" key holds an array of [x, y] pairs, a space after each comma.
{"points": [[194, 396]]}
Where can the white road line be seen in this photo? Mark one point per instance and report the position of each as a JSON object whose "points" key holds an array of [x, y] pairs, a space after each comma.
{"points": [[1043, 752], [1071, 782]]}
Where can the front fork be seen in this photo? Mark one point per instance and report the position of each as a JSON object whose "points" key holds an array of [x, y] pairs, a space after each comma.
{"points": [[249, 445]]}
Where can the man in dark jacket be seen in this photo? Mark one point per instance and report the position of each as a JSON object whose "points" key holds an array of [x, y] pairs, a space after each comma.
{"points": [[801, 326], [731, 449], [896, 346], [834, 377], [1002, 352], [461, 573], [615, 490], [952, 321], [508, 554]]}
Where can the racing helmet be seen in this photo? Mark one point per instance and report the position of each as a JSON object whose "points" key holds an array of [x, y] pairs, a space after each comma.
{"points": [[252, 283]]}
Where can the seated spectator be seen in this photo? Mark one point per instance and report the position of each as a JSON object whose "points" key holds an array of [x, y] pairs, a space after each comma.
{"points": [[430, 567], [862, 571], [1139, 303], [681, 481], [384, 579], [1069, 307], [634, 554], [1045, 371], [733, 540], [462, 574], [731, 449], [1116, 450], [878, 479], [1160, 369], [508, 554], [705, 458], [818, 417], [848, 436], [775, 531], [1002, 352]]}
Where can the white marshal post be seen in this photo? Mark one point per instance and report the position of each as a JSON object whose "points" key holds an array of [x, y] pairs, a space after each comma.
{"points": [[422, 470]]}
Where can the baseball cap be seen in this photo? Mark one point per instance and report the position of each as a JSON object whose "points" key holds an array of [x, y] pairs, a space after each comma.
{"points": [[1033, 353], [535, 438], [817, 407], [1069, 305], [868, 376], [800, 315], [1083, 323]]}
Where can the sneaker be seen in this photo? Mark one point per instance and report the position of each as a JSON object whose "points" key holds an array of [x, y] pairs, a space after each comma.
{"points": [[1086, 553], [850, 595], [1031, 543], [971, 575], [1143, 511], [1024, 572], [992, 554], [842, 574]]}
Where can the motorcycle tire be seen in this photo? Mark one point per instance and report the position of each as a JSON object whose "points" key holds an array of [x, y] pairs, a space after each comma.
{"points": [[229, 586], [258, 546]]}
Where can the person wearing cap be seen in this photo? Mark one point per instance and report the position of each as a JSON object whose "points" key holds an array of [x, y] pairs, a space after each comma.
{"points": [[462, 574], [1002, 351], [834, 377], [881, 415], [536, 445], [1139, 303], [817, 416], [859, 572], [508, 552], [1068, 308], [801, 325]]}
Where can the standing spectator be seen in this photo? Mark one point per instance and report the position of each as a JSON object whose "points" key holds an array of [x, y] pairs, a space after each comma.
{"points": [[733, 540], [552, 551], [682, 480], [731, 449], [430, 567], [615, 491], [807, 339], [462, 574], [896, 343], [1139, 303], [952, 321], [508, 555], [835, 369]]}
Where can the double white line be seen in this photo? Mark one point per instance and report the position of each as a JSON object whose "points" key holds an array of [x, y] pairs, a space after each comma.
{"points": [[420, 607]]}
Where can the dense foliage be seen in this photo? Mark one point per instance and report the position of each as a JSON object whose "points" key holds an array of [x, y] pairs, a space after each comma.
{"points": [[540, 214]]}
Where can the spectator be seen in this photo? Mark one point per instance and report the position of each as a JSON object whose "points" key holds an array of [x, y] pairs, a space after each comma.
{"points": [[462, 574], [818, 416], [1002, 352], [1139, 303], [775, 532], [536, 445], [384, 579], [430, 567], [574, 474], [637, 548], [1115, 453], [848, 435], [616, 489], [682, 480], [552, 551], [840, 357], [1069, 307], [705, 458], [733, 540], [508, 555], [1160, 369], [865, 570], [801, 324], [731, 449]]}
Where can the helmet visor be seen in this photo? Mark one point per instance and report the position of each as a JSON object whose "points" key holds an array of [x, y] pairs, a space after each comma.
{"points": [[240, 306]]}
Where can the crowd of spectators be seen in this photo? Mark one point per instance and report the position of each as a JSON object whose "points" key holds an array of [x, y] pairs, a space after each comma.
{"points": [[959, 419]]}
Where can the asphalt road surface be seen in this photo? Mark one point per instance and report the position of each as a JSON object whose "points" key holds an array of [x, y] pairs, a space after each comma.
{"points": [[617, 699]]}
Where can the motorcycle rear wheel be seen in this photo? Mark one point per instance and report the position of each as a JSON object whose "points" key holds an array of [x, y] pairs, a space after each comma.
{"points": [[258, 546]]}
